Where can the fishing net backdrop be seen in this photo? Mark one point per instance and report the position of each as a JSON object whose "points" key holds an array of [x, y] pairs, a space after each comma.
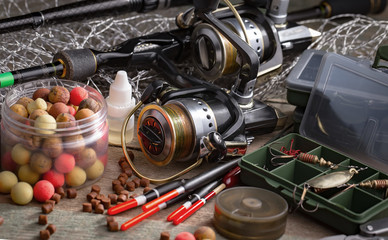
{"points": [[353, 35]]}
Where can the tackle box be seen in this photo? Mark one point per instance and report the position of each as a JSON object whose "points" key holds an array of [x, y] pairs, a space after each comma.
{"points": [[342, 209], [345, 122]]}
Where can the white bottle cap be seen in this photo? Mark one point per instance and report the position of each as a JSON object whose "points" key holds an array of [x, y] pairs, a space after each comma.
{"points": [[120, 100], [120, 91]]}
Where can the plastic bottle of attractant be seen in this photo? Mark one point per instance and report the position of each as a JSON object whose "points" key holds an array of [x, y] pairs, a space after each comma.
{"points": [[120, 102]]}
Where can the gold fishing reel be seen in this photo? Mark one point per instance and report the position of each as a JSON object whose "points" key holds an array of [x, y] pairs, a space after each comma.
{"points": [[175, 130], [214, 56]]}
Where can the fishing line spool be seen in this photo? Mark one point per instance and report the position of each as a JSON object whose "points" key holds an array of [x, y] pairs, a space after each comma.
{"points": [[250, 213]]}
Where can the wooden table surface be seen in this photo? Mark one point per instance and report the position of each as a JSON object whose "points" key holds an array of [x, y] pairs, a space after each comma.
{"points": [[21, 222]]}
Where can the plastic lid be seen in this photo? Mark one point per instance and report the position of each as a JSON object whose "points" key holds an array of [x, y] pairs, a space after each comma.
{"points": [[304, 73], [348, 110], [250, 213]]}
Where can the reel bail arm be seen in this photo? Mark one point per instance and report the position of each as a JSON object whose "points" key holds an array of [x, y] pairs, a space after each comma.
{"points": [[243, 88]]}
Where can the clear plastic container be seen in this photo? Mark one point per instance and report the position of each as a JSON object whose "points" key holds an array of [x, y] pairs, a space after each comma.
{"points": [[67, 155], [348, 110]]}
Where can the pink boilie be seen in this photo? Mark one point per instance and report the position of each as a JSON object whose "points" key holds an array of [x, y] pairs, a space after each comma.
{"points": [[64, 163], [43, 190]]}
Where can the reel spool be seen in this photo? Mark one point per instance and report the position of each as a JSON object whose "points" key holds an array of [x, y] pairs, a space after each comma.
{"points": [[174, 131], [214, 56]]}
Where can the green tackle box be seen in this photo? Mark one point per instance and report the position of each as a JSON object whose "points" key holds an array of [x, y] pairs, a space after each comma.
{"points": [[342, 209]]}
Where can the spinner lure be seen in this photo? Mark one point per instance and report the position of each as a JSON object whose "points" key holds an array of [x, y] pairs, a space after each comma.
{"points": [[327, 181]]}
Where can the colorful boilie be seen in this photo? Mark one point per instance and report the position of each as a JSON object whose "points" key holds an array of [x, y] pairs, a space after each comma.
{"points": [[43, 190]]}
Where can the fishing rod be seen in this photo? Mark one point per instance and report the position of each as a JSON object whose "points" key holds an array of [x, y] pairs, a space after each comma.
{"points": [[89, 9], [81, 63], [202, 40], [82, 10]]}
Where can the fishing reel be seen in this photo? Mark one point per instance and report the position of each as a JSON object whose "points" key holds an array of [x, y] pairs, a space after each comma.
{"points": [[201, 122], [190, 124], [215, 56], [238, 41]]}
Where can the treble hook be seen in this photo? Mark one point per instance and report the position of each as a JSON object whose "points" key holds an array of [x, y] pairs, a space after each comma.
{"points": [[300, 203]]}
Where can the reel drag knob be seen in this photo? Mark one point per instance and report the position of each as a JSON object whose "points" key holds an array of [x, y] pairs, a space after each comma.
{"points": [[152, 136]]}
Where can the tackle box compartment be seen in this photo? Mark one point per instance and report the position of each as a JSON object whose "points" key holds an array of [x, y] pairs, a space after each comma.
{"points": [[342, 208]]}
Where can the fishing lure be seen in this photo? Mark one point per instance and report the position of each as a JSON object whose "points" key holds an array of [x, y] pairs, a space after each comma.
{"points": [[331, 180], [377, 184], [299, 155]]}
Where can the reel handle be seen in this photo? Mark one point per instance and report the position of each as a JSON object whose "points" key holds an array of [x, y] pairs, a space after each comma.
{"points": [[214, 146]]}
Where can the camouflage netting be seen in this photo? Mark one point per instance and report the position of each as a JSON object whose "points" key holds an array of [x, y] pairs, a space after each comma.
{"points": [[348, 34]]}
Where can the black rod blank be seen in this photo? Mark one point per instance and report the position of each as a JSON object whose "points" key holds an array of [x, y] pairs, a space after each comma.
{"points": [[84, 10]]}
